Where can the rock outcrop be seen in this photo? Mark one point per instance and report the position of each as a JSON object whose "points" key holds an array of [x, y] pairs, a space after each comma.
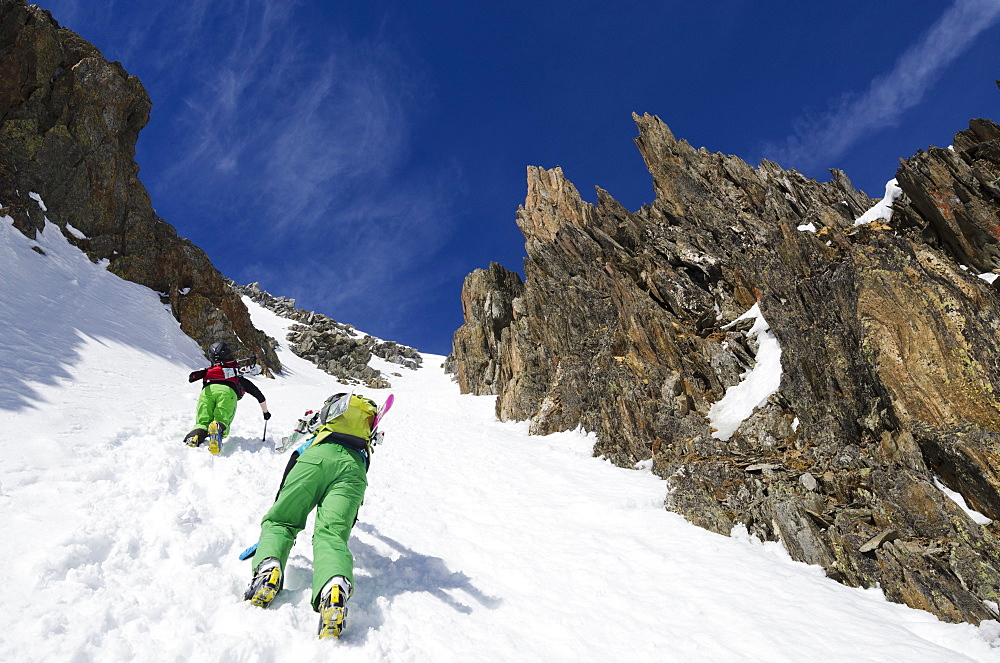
{"points": [[628, 325], [488, 297], [69, 120], [336, 348]]}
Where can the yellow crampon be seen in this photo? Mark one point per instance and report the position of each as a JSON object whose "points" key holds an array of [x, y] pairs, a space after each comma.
{"points": [[332, 614], [214, 438], [267, 591]]}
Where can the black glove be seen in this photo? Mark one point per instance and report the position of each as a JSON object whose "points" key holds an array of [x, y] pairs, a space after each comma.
{"points": [[267, 415]]}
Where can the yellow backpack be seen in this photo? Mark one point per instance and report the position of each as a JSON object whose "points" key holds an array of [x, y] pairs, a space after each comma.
{"points": [[348, 420]]}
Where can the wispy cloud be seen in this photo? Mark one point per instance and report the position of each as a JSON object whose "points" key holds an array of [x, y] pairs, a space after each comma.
{"points": [[307, 139], [289, 120], [372, 266], [822, 140]]}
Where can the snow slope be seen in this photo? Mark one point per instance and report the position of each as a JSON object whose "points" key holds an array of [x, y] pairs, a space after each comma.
{"points": [[477, 542]]}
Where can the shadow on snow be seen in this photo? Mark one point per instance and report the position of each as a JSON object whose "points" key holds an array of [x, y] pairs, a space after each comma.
{"points": [[385, 579], [53, 304]]}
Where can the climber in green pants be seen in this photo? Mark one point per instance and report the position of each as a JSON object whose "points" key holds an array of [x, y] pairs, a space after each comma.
{"points": [[223, 384], [331, 479], [329, 475]]}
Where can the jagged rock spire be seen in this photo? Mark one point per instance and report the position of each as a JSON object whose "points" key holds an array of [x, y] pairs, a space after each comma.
{"points": [[889, 365]]}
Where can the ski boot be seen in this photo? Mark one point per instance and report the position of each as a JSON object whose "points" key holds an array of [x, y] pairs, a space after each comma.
{"points": [[196, 437], [333, 607], [216, 431], [265, 584]]}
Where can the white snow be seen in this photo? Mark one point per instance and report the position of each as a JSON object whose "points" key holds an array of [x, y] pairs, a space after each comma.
{"points": [[883, 208], [38, 199], [476, 542], [989, 277], [960, 501], [756, 385], [79, 234]]}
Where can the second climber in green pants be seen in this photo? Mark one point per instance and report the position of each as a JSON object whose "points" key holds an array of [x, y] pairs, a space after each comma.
{"points": [[223, 384]]}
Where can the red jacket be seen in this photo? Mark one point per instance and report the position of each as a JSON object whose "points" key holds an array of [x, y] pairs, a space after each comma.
{"points": [[217, 374], [224, 373]]}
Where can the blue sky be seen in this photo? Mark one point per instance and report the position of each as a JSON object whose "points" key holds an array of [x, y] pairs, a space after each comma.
{"points": [[363, 157]]}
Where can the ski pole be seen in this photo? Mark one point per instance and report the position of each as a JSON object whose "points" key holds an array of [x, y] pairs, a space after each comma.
{"points": [[264, 439]]}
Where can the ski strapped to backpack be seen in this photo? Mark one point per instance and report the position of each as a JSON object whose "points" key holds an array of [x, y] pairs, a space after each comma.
{"points": [[309, 425], [245, 367], [377, 435], [311, 421], [382, 411]]}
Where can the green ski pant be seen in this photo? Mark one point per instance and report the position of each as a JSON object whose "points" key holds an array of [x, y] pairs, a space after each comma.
{"points": [[331, 479], [217, 402]]}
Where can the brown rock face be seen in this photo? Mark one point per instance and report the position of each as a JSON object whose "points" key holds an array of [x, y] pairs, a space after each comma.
{"points": [[889, 363], [487, 302], [69, 120]]}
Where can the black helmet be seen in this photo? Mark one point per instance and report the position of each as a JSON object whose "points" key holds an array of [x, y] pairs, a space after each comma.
{"points": [[219, 352]]}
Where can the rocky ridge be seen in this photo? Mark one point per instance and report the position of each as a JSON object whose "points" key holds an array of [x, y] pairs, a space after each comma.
{"points": [[336, 348], [626, 325], [69, 120]]}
